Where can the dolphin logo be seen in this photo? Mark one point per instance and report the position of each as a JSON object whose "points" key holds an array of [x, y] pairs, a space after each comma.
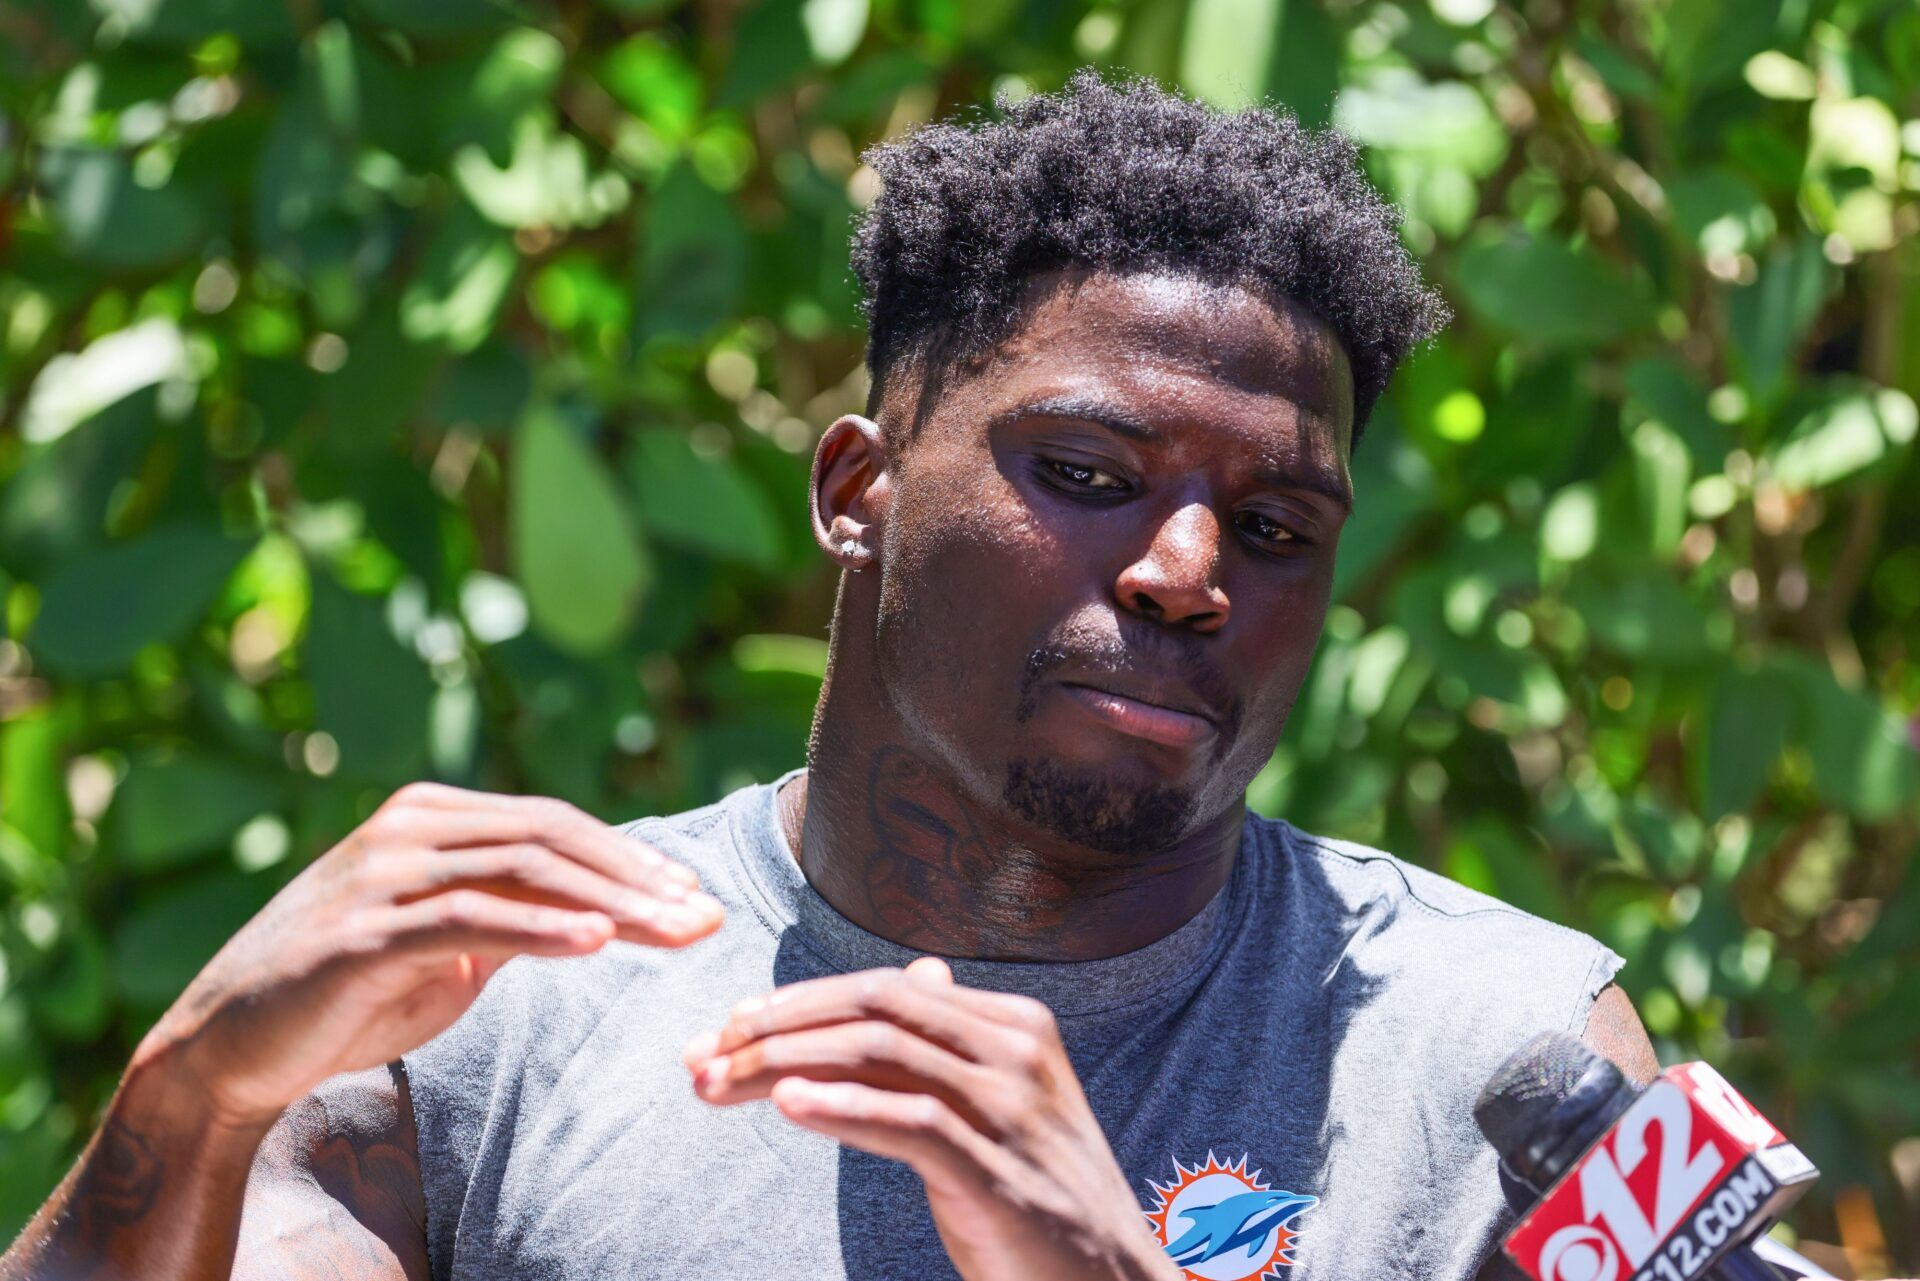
{"points": [[1239, 1221]]}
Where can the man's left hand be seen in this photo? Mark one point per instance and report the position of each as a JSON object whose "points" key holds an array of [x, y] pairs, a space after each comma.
{"points": [[972, 1089]]}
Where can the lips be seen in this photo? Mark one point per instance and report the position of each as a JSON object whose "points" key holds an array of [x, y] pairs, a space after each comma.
{"points": [[1165, 716]]}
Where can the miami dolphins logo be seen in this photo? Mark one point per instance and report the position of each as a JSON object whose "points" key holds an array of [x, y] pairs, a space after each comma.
{"points": [[1220, 1223]]}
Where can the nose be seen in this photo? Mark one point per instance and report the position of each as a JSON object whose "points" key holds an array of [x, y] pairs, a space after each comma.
{"points": [[1176, 581]]}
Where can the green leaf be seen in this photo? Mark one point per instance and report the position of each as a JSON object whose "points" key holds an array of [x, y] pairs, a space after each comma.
{"points": [[1622, 74], [575, 548], [1661, 471], [189, 22], [548, 180], [1234, 53], [1750, 716], [834, 28], [1495, 860], [305, 170], [706, 504], [1670, 839], [1862, 760], [654, 82], [488, 388], [770, 47], [378, 389], [170, 937], [438, 18], [517, 75], [1228, 43], [1397, 483], [1446, 122], [99, 609], [1304, 70], [369, 692], [457, 292], [56, 504], [1646, 616], [30, 1161], [74, 998], [1768, 317], [170, 810], [34, 745], [1663, 390], [1721, 212], [1544, 291], [1151, 43], [110, 221], [1845, 435], [693, 263]]}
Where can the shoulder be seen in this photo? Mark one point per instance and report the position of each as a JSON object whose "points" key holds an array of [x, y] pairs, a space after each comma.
{"points": [[338, 1179], [1429, 939], [1361, 875]]}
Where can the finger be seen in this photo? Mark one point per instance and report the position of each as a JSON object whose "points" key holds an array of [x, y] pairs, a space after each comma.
{"points": [[477, 969], [874, 1053], [915, 1128], [932, 1011], [930, 969], [432, 795], [486, 926], [542, 821], [535, 873]]}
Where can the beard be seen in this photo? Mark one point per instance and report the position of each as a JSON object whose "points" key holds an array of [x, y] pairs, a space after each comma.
{"points": [[1094, 811]]}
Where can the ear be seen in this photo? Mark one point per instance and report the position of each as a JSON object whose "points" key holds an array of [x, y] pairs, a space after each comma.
{"points": [[849, 494]]}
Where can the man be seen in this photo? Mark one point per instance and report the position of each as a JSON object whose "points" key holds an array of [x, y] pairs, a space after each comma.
{"points": [[1122, 347]]}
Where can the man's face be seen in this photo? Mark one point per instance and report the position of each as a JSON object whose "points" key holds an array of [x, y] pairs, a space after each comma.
{"points": [[1108, 550]]}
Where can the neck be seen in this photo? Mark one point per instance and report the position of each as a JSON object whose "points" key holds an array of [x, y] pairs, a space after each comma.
{"points": [[891, 840]]}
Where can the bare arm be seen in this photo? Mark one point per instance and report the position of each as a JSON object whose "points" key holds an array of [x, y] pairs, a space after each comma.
{"points": [[335, 1190], [156, 1193], [332, 1190], [263, 1084], [1615, 1033]]}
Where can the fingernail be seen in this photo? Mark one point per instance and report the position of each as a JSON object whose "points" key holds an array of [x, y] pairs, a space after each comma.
{"points": [[714, 1075], [705, 904], [683, 916], [797, 1089], [673, 890], [642, 909], [700, 1049]]}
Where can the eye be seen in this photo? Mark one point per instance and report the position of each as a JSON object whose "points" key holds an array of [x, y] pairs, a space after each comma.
{"points": [[1080, 476], [1265, 529]]}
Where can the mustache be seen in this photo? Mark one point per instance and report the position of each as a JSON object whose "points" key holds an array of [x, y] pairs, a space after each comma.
{"points": [[1162, 655]]}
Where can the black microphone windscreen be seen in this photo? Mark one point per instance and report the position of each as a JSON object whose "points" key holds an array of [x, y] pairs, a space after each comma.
{"points": [[1517, 1100]]}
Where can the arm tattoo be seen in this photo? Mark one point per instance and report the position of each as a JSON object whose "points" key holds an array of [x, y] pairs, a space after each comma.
{"points": [[336, 1193], [116, 1187]]}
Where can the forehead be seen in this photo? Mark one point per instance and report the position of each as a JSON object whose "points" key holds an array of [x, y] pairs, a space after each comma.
{"points": [[1209, 348]]}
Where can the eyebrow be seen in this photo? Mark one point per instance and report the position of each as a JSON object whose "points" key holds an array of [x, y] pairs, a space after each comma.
{"points": [[1313, 480]]}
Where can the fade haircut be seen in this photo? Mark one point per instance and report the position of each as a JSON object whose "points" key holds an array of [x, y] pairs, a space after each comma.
{"points": [[1125, 176]]}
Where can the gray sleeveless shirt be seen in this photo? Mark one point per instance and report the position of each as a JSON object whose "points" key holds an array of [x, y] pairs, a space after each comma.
{"points": [[1316, 1035]]}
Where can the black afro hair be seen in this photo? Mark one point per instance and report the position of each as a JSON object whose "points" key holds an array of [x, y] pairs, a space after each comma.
{"points": [[1127, 176]]}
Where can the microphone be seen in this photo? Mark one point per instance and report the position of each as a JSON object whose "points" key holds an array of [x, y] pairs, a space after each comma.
{"points": [[1616, 1183]]}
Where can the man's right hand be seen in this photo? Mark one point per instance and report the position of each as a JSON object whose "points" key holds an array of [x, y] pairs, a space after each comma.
{"points": [[373, 950], [389, 936]]}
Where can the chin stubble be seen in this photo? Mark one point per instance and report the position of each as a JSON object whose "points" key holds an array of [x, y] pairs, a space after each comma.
{"points": [[1091, 810]]}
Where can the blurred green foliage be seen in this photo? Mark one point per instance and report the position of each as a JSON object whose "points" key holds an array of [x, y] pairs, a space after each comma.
{"points": [[402, 388]]}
